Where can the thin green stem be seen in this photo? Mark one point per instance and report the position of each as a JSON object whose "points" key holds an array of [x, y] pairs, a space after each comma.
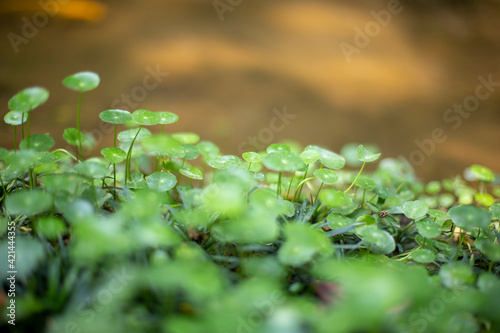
{"points": [[22, 127], [129, 156], [15, 138], [317, 193], [355, 180], [301, 185], [28, 129], [78, 124], [278, 189], [114, 142], [290, 185]]}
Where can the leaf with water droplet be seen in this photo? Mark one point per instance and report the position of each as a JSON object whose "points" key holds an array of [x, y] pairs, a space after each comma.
{"points": [[192, 172], [165, 117], [115, 116], [328, 158], [129, 135], [145, 117], [114, 155], [225, 161], [15, 118], [283, 161], [364, 155]]}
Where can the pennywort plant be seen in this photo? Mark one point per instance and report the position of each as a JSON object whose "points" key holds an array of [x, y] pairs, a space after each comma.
{"points": [[81, 82], [189, 239]]}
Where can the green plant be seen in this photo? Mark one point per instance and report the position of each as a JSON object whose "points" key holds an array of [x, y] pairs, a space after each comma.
{"points": [[284, 240]]}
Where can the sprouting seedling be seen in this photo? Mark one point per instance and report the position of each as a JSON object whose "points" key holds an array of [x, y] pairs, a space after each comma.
{"points": [[82, 81], [25, 102], [283, 161], [308, 157], [326, 176], [114, 155], [363, 155], [142, 117], [16, 118]]}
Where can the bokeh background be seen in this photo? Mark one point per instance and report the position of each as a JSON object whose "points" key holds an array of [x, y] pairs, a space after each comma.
{"points": [[231, 63]]}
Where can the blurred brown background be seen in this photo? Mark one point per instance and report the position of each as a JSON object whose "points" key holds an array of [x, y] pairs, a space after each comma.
{"points": [[231, 63]]}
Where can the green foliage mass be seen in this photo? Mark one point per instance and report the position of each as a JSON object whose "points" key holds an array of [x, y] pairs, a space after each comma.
{"points": [[164, 233]]}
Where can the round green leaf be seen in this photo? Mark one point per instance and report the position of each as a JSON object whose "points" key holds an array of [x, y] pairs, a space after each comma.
{"points": [[479, 172], [338, 221], [423, 256], [28, 202], [51, 227], [28, 99], [38, 142], [161, 181], [82, 81], [428, 228], [92, 168], [495, 210], [376, 240], [456, 274], [165, 145], [191, 151], [145, 117], [283, 161], [469, 217], [252, 157], [113, 155], [277, 148], [129, 135], [309, 156], [433, 187], [488, 247], [485, 199], [115, 116], [224, 161], [302, 243], [137, 181], [415, 209], [339, 201], [328, 158], [187, 137], [208, 148], [364, 155], [71, 136], [15, 118], [326, 176], [165, 117], [192, 172]]}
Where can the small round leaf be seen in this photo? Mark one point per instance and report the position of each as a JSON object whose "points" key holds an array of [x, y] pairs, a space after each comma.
{"points": [[364, 155], [38, 142], [376, 240], [71, 136], [113, 155], [469, 217], [479, 172], [115, 116], [165, 117], [283, 161], [28, 99], [326, 176], [309, 156], [224, 161], [187, 137], [129, 135], [161, 181], [192, 172], [423, 256], [82, 81], [15, 118], [428, 228], [252, 157], [28, 202], [145, 117], [415, 209], [328, 158]]}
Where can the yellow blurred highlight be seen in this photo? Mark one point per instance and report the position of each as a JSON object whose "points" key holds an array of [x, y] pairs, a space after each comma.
{"points": [[91, 11]]}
